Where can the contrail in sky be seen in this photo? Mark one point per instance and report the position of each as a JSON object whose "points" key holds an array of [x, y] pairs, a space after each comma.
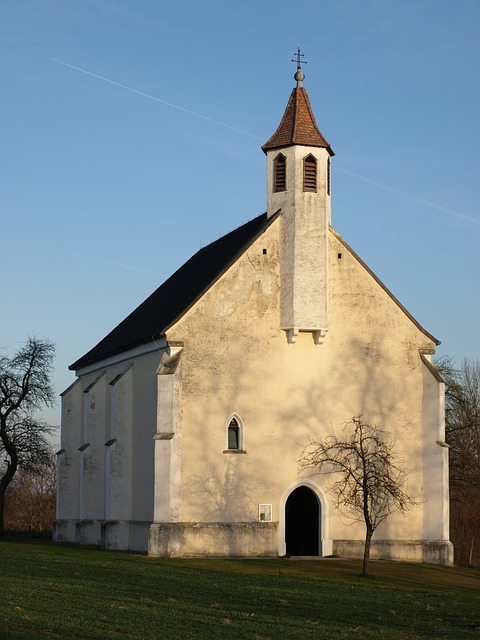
{"points": [[427, 203], [146, 95]]}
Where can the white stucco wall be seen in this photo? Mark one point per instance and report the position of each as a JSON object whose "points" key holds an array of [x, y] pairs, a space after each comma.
{"points": [[144, 439], [106, 461], [237, 359], [303, 239]]}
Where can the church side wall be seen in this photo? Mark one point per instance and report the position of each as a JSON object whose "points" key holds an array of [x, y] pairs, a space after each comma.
{"points": [[106, 460], [92, 453], [68, 464], [118, 451], [436, 515], [144, 408], [237, 359]]}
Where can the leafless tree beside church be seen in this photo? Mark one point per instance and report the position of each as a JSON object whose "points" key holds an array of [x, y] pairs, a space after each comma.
{"points": [[25, 388], [462, 423], [367, 475]]}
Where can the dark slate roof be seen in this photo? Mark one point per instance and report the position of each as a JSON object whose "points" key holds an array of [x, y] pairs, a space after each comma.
{"points": [[298, 125], [176, 295]]}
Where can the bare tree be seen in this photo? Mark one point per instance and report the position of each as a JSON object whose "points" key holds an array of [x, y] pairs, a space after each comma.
{"points": [[30, 498], [462, 420], [462, 426], [369, 480], [25, 387]]}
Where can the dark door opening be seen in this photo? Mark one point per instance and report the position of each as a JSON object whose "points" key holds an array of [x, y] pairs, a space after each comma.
{"points": [[302, 523]]}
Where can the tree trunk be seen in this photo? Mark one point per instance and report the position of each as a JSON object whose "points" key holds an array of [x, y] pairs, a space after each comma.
{"points": [[4, 482], [2, 513], [366, 553]]}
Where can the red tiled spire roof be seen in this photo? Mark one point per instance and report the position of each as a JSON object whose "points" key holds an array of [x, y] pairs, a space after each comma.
{"points": [[298, 125]]}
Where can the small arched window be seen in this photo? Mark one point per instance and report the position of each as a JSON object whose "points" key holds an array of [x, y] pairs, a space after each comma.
{"points": [[309, 174], [234, 437], [280, 173], [233, 434]]}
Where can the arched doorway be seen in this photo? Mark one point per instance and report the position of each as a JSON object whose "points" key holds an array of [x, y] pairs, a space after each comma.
{"points": [[302, 517]]}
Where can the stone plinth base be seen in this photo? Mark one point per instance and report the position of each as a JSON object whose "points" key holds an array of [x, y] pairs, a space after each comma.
{"points": [[120, 535], [88, 532], [231, 539], [185, 539], [431, 551], [64, 530]]}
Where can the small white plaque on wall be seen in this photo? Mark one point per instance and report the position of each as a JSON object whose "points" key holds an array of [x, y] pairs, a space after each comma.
{"points": [[264, 512]]}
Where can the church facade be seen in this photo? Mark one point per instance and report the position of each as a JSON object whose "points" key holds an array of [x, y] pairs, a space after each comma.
{"points": [[182, 432]]}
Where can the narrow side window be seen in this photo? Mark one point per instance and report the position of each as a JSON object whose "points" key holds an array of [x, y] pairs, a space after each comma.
{"points": [[309, 174], [280, 173], [234, 436]]}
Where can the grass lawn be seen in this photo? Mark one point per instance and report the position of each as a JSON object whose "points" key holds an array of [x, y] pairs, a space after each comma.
{"points": [[60, 591]]}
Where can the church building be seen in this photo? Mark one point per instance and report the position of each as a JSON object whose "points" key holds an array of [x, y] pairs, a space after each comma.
{"points": [[182, 432]]}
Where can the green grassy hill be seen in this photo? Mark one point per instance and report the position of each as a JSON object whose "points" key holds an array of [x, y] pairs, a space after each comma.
{"points": [[58, 591]]}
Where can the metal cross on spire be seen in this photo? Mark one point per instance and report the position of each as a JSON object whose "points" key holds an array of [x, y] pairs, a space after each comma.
{"points": [[299, 76], [299, 55]]}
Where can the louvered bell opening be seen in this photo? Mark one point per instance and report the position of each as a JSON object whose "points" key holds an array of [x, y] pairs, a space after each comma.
{"points": [[233, 435], [280, 173], [328, 176], [310, 174]]}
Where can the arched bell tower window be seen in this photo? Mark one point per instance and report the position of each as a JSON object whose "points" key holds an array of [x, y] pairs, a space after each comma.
{"points": [[280, 173], [309, 173], [328, 176], [234, 436]]}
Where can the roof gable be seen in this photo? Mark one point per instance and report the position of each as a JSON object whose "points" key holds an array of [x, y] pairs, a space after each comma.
{"points": [[176, 295], [384, 287]]}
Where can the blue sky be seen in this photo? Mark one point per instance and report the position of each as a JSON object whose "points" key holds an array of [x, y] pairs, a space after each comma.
{"points": [[131, 136]]}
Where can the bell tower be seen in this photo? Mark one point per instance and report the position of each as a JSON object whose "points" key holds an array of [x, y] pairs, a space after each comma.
{"points": [[298, 184]]}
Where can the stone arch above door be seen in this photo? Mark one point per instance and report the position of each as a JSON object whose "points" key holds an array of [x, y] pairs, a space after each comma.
{"points": [[324, 543]]}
